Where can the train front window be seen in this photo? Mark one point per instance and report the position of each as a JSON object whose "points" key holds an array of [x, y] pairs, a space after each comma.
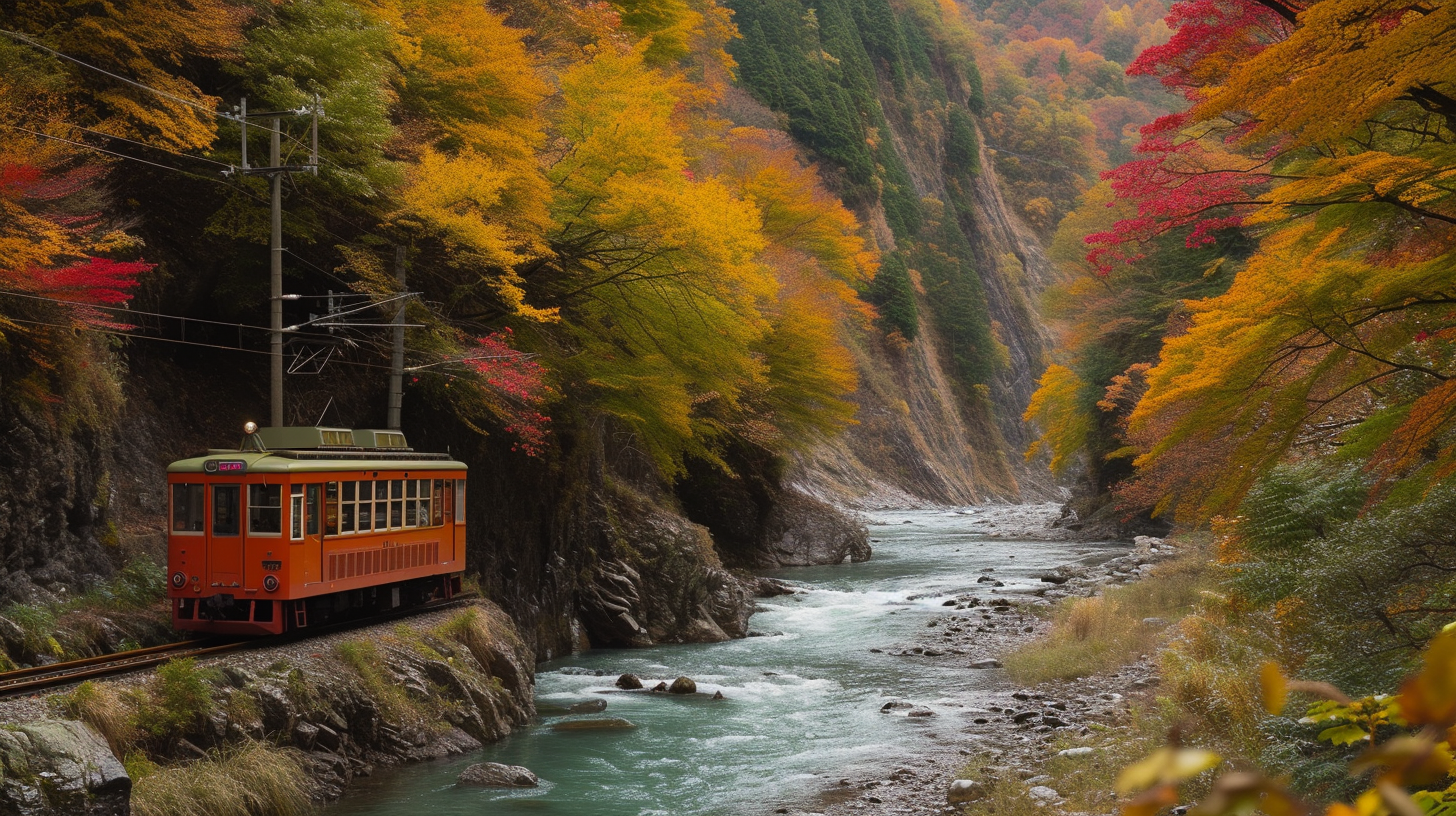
{"points": [[187, 510], [225, 509], [265, 509]]}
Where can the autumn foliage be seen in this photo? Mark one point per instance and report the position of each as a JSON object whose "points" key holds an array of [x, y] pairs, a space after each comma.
{"points": [[1308, 171]]}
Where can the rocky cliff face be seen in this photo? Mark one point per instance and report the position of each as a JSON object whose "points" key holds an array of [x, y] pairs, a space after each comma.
{"points": [[54, 492]]}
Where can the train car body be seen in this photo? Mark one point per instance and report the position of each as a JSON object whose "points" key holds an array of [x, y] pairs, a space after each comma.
{"points": [[300, 525]]}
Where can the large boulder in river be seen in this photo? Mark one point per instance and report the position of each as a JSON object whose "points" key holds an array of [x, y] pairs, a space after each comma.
{"points": [[60, 766], [629, 681], [496, 775], [683, 685]]}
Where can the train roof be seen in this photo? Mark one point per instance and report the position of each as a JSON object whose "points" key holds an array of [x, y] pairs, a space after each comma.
{"points": [[315, 450], [224, 461]]}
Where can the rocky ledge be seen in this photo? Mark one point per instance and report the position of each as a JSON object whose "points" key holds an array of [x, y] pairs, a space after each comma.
{"points": [[325, 710]]}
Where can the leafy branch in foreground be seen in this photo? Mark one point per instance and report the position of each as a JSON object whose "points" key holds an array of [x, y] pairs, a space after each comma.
{"points": [[1407, 760]]}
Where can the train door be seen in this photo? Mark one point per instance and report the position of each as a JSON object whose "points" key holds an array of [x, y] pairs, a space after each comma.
{"points": [[307, 530], [225, 540]]}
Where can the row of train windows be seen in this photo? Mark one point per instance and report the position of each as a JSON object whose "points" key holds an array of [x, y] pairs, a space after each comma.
{"points": [[367, 505]]}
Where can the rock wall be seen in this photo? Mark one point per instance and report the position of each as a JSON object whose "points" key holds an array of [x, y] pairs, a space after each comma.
{"points": [[60, 767], [54, 492]]}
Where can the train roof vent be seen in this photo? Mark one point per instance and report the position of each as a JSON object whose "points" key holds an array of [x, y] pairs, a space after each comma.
{"points": [[307, 438], [382, 440]]}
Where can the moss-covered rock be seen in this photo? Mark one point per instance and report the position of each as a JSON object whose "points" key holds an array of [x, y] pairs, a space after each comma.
{"points": [[60, 767]]}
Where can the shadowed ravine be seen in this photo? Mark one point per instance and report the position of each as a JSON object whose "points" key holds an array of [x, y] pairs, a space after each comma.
{"points": [[803, 698]]}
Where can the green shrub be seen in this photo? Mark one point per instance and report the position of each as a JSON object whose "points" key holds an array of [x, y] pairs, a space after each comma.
{"points": [[176, 699]]}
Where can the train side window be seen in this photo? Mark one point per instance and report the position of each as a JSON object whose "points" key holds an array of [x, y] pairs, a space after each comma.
{"points": [[423, 519], [381, 505], [313, 509], [331, 499], [187, 510], [346, 507], [365, 518], [265, 509], [438, 504], [411, 503], [225, 509], [295, 512], [396, 504], [459, 501]]}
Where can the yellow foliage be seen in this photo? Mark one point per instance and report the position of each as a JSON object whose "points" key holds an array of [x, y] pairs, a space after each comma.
{"points": [[1057, 409], [1345, 62]]}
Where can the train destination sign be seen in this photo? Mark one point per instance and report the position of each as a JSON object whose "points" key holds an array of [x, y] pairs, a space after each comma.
{"points": [[225, 466]]}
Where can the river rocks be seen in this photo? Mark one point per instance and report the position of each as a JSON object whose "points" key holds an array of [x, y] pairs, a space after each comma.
{"points": [[920, 711], [986, 663], [629, 681], [60, 766], [718, 695], [602, 724], [895, 705], [1043, 793], [683, 685], [964, 790], [496, 775], [660, 687], [1077, 752], [587, 707]]}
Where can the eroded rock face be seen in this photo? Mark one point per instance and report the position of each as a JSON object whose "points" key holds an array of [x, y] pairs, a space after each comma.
{"points": [[660, 581], [760, 522], [60, 766]]}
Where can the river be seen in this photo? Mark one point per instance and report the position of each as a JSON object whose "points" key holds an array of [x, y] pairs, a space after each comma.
{"points": [[802, 697]]}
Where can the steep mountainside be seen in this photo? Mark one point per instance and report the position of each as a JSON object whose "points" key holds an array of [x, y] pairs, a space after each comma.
{"points": [[699, 411]]}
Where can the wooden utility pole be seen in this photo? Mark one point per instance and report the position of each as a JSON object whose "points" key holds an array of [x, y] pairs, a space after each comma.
{"points": [[275, 312], [396, 360], [275, 172]]}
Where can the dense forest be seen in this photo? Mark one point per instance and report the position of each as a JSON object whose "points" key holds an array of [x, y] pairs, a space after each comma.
{"points": [[680, 275]]}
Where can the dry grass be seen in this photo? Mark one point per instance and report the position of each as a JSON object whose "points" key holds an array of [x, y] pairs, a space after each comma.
{"points": [[253, 780], [1104, 632], [102, 707], [1084, 782]]}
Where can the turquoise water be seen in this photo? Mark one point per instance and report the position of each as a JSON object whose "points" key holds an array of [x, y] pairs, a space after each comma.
{"points": [[802, 706]]}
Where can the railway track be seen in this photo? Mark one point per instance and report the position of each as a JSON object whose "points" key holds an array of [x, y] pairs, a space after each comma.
{"points": [[22, 681]]}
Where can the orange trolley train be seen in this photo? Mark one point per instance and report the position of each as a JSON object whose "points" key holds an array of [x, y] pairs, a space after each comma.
{"points": [[301, 525]]}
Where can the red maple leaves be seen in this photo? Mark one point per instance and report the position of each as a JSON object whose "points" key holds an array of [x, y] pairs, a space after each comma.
{"points": [[85, 283], [1175, 182], [519, 386]]}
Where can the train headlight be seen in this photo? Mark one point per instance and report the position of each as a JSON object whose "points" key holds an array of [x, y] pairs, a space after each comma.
{"points": [[179, 580], [250, 427], [270, 583]]}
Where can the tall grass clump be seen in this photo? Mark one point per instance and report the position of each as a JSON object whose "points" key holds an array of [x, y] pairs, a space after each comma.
{"points": [[103, 708], [253, 780], [1104, 632]]}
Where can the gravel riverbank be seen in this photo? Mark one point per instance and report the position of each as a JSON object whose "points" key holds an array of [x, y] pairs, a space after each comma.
{"points": [[1008, 730]]}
